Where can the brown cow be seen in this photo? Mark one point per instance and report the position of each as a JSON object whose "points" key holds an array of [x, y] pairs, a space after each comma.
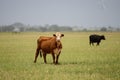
{"points": [[41, 38], [51, 45]]}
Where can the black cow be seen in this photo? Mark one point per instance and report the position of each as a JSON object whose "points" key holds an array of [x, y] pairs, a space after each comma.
{"points": [[96, 39]]}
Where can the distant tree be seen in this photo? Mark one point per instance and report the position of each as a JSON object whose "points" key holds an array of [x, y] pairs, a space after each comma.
{"points": [[117, 29], [53, 28], [103, 29], [7, 28], [32, 29], [42, 29], [110, 28], [84, 29], [65, 28], [18, 24]]}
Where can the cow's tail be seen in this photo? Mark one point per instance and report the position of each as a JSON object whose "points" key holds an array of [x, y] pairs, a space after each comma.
{"points": [[38, 43]]}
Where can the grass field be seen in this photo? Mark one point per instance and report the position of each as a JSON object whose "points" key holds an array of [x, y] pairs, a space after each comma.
{"points": [[78, 60]]}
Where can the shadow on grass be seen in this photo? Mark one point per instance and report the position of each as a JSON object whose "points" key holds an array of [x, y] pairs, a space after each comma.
{"points": [[72, 63], [63, 63]]}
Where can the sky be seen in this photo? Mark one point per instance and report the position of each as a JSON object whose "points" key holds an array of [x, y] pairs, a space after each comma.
{"points": [[84, 13]]}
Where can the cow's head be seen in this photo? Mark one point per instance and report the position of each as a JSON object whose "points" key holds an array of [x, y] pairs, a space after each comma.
{"points": [[58, 36], [103, 37]]}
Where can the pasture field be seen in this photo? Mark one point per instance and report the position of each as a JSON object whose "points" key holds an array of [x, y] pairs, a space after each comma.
{"points": [[78, 60]]}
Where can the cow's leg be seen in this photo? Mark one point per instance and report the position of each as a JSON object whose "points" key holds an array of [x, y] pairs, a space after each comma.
{"points": [[97, 43], [53, 56], [57, 57], [90, 43], [44, 56], [36, 54]]}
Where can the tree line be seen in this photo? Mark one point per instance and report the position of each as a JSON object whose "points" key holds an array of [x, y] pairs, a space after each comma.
{"points": [[23, 28]]}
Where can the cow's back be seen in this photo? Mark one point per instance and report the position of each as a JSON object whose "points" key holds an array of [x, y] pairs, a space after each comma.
{"points": [[44, 38]]}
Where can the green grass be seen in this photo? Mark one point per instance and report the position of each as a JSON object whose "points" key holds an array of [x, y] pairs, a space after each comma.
{"points": [[78, 60]]}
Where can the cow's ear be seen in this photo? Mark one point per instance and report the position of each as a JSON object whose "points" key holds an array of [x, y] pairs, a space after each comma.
{"points": [[54, 35], [62, 35]]}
